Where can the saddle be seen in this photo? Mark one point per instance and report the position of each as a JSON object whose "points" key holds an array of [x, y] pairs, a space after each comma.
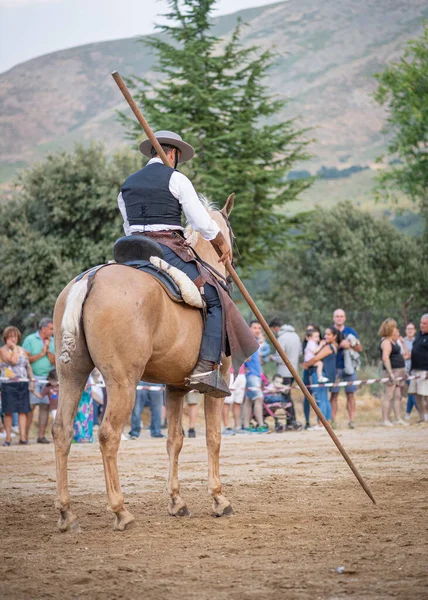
{"points": [[146, 255]]}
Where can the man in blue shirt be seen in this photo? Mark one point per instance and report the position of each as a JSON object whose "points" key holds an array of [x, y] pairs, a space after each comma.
{"points": [[41, 353], [339, 319]]}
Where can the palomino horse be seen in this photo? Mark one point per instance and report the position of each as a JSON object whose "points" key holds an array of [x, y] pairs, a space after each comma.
{"points": [[130, 330]]}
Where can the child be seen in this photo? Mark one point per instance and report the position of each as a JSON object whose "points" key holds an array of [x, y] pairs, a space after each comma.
{"points": [[51, 390], [277, 392], [311, 349]]}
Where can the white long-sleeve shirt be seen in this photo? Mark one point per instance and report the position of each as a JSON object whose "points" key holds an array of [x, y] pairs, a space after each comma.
{"points": [[182, 189]]}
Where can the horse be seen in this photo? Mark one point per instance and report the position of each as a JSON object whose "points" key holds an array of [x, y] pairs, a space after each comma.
{"points": [[130, 329]]}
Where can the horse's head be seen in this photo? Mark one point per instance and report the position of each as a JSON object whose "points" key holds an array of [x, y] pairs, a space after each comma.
{"points": [[221, 217]]}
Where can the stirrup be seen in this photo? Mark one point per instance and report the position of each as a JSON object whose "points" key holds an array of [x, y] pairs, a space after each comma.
{"points": [[210, 382]]}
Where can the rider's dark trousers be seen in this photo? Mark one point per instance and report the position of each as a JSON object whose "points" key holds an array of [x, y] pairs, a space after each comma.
{"points": [[212, 334]]}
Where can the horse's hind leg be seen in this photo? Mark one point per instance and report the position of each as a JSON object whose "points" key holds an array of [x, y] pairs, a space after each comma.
{"points": [[121, 399], [213, 409], [72, 384], [174, 410]]}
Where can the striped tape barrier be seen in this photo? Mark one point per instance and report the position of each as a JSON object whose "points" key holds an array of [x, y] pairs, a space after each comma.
{"points": [[153, 388]]}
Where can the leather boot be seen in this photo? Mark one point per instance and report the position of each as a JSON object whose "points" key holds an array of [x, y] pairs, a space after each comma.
{"points": [[206, 379]]}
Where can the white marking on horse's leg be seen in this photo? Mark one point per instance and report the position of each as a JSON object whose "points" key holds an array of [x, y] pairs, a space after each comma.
{"points": [[121, 399], [62, 431], [213, 409], [174, 410]]}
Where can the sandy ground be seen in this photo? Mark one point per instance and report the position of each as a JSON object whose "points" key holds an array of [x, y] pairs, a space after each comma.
{"points": [[299, 515]]}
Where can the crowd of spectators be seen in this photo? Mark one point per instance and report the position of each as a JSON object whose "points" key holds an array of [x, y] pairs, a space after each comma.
{"points": [[330, 357], [29, 381]]}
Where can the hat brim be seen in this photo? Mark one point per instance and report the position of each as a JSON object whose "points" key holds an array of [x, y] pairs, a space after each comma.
{"points": [[187, 151]]}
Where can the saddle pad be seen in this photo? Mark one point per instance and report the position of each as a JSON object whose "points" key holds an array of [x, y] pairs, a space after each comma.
{"points": [[164, 279]]}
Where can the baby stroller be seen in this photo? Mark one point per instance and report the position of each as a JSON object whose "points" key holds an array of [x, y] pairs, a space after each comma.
{"points": [[285, 420]]}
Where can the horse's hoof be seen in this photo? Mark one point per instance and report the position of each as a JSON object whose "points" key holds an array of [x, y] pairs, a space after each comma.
{"points": [[222, 511], [179, 510], [183, 512], [68, 523], [124, 521]]}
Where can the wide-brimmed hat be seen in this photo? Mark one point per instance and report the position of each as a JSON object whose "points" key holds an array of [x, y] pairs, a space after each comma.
{"points": [[173, 139]]}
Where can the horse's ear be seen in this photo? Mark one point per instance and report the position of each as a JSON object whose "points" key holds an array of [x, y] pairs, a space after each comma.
{"points": [[228, 207]]}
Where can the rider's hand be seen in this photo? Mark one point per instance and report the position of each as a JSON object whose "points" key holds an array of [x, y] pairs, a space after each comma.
{"points": [[222, 248], [226, 256]]}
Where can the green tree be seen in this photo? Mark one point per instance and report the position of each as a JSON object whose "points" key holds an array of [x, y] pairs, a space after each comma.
{"points": [[403, 90], [214, 95], [346, 258], [63, 220]]}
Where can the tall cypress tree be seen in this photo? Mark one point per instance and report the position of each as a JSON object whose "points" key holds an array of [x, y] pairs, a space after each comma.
{"points": [[215, 97]]}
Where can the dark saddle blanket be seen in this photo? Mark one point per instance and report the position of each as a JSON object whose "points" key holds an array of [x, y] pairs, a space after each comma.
{"points": [[164, 279], [135, 251]]}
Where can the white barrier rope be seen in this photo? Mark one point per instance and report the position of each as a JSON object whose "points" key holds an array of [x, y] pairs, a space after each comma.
{"points": [[361, 382], [161, 387]]}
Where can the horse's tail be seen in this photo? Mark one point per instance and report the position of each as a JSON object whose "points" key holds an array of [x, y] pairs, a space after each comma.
{"points": [[70, 324]]}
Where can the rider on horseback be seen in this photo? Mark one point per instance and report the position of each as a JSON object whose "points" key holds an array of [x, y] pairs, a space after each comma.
{"points": [[151, 202]]}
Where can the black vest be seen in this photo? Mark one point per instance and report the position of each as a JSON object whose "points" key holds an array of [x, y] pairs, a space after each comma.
{"points": [[147, 198], [396, 358]]}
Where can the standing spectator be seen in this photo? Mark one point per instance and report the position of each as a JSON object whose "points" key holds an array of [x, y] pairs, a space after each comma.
{"points": [[236, 400], [153, 398], [254, 393], [419, 360], [51, 391], [313, 345], [14, 364], [349, 340], [394, 368], [84, 420], [41, 353], [192, 401], [328, 354], [97, 389], [292, 346], [306, 375], [408, 342]]}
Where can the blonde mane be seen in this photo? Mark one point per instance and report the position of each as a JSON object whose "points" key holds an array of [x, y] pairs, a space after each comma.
{"points": [[189, 233]]}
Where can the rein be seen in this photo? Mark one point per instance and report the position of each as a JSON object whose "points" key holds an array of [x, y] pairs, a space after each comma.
{"points": [[226, 279]]}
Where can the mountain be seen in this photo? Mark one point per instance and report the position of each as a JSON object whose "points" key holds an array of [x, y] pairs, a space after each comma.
{"points": [[327, 52]]}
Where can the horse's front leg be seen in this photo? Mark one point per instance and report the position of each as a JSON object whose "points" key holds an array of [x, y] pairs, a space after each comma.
{"points": [[174, 409], [213, 410]]}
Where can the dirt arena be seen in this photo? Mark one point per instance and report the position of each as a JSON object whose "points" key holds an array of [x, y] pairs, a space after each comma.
{"points": [[299, 515]]}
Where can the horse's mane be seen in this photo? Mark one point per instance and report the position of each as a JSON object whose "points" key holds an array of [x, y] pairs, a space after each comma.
{"points": [[189, 233]]}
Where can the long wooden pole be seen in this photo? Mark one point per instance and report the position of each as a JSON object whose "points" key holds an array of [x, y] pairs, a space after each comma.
{"points": [[249, 300], [140, 118], [296, 376]]}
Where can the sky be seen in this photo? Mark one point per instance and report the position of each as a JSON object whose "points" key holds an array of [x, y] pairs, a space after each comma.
{"points": [[30, 28]]}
